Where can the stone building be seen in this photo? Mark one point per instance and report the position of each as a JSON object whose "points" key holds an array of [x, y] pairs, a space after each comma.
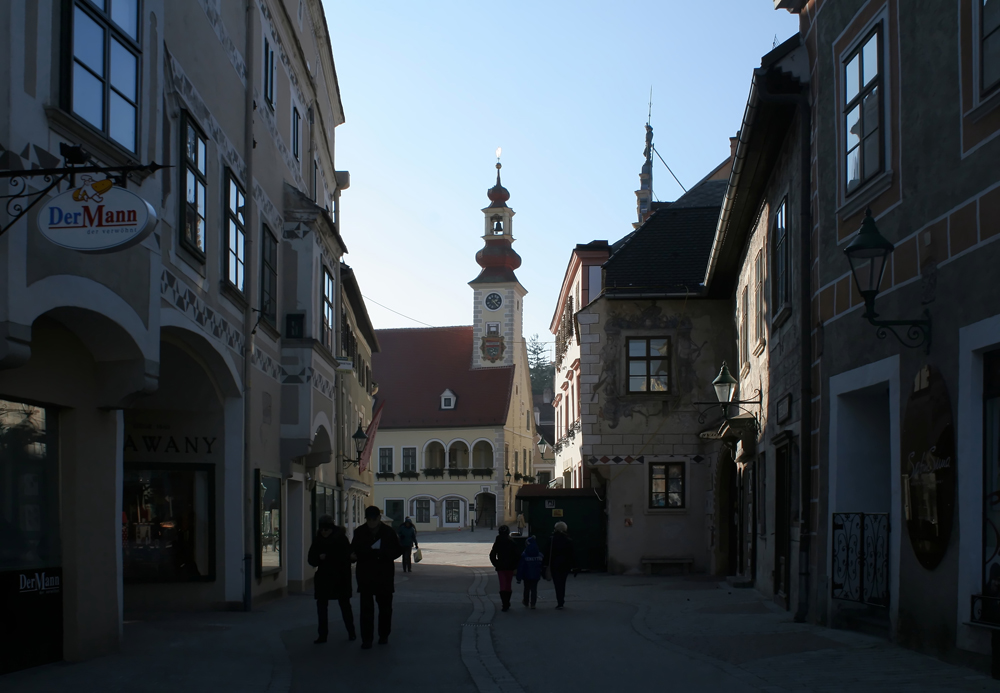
{"points": [[186, 380], [457, 434]]}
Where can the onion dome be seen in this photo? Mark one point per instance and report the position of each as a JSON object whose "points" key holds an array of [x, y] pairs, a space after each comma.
{"points": [[498, 194], [497, 253]]}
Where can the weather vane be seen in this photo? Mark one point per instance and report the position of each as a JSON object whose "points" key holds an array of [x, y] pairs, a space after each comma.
{"points": [[498, 155]]}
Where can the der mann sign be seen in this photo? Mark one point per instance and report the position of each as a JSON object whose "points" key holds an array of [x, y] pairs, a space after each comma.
{"points": [[96, 217]]}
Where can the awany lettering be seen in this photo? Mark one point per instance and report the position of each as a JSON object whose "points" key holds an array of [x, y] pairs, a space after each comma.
{"points": [[169, 444]]}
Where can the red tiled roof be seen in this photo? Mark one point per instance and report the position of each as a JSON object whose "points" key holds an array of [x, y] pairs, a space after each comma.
{"points": [[415, 366]]}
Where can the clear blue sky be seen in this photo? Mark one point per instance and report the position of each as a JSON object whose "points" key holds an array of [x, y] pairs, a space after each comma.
{"points": [[431, 89]]}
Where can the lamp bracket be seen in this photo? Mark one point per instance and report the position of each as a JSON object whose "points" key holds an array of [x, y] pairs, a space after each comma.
{"points": [[740, 404], [918, 332], [350, 462]]}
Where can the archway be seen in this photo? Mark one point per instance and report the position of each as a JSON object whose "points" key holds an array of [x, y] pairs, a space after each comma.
{"points": [[482, 455], [458, 455], [434, 455]]}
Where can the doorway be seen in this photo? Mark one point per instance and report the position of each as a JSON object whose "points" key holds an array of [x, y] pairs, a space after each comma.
{"points": [[394, 511], [486, 510], [782, 524]]}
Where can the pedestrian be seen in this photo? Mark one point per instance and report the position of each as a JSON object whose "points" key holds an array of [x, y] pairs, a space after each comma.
{"points": [[376, 548], [521, 524], [330, 554], [505, 557], [560, 560], [529, 570], [408, 540]]}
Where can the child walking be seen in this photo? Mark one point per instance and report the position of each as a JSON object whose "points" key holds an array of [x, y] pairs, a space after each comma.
{"points": [[529, 570]]}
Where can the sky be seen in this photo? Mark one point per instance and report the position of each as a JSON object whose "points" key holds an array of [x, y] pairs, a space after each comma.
{"points": [[431, 89]]}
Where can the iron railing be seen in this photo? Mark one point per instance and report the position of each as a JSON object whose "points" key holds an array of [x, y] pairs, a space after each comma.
{"points": [[861, 558]]}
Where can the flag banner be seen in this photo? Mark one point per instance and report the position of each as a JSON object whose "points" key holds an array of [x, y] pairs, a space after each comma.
{"points": [[370, 445]]}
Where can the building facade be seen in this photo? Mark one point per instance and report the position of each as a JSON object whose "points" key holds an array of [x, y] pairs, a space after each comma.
{"points": [[457, 434], [186, 382]]}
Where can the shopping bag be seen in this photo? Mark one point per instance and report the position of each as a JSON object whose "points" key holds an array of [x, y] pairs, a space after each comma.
{"points": [[418, 555]]}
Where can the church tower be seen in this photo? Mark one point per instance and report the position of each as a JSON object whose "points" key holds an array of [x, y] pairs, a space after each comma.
{"points": [[643, 196], [498, 297]]}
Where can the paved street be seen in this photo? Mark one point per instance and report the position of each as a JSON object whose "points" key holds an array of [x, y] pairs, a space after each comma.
{"points": [[616, 634]]}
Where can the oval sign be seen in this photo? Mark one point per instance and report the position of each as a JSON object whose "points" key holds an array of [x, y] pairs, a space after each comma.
{"points": [[928, 467], [96, 217]]}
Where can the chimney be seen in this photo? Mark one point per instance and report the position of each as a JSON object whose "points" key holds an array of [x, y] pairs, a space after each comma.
{"points": [[547, 395], [733, 141]]}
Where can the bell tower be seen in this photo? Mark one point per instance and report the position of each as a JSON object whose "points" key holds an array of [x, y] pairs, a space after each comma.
{"points": [[498, 297]]}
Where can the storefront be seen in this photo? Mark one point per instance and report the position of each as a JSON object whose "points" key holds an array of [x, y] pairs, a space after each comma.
{"points": [[30, 556]]}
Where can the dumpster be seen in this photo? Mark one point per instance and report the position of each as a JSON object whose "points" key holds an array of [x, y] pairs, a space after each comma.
{"points": [[581, 509]]}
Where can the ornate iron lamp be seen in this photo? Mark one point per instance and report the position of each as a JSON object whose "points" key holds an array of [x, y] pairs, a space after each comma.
{"points": [[360, 440], [868, 255], [725, 388]]}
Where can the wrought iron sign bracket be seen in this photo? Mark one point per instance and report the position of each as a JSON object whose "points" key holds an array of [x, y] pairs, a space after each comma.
{"points": [[918, 332], [76, 160]]}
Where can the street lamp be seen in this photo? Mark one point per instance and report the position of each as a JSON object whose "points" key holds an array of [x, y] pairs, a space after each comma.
{"points": [[505, 479], [360, 440], [724, 384], [868, 255], [725, 388]]}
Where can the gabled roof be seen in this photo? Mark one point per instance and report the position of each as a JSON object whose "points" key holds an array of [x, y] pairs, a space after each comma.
{"points": [[669, 252], [413, 368], [357, 302]]}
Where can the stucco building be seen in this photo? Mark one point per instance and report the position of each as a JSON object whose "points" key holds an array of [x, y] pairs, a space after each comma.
{"points": [[178, 395], [457, 434]]}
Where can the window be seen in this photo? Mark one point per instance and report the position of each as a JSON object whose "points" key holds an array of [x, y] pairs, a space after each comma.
{"points": [[517, 465], [236, 234], [296, 119], [446, 403], [315, 181], [744, 324], [385, 460], [648, 365], [423, 510], [269, 277], [269, 73], [448, 399], [666, 485], [779, 260], [105, 68], [759, 297], [324, 503], [409, 459], [863, 111], [327, 309], [492, 329], [269, 547], [452, 512], [990, 23], [194, 173], [167, 523]]}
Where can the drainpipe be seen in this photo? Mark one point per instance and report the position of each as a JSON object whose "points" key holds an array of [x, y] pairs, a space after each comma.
{"points": [[801, 102], [248, 324]]}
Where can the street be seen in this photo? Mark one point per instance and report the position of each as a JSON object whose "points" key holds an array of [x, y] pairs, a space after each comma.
{"points": [[689, 633]]}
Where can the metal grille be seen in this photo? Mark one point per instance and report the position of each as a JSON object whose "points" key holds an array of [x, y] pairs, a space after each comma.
{"points": [[861, 558]]}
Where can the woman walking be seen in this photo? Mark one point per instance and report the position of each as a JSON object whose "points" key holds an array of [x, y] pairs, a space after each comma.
{"points": [[330, 554], [408, 540], [504, 557], [529, 570], [560, 561]]}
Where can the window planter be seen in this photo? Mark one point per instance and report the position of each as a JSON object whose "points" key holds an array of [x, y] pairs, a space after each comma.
{"points": [[409, 475], [518, 476], [385, 475], [529, 479], [485, 472], [429, 473], [458, 472]]}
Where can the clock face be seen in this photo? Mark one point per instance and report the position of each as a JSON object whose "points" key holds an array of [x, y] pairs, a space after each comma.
{"points": [[494, 301]]}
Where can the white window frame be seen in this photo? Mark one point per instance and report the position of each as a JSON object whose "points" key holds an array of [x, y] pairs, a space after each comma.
{"points": [[462, 509], [416, 511], [402, 458], [392, 462], [448, 400]]}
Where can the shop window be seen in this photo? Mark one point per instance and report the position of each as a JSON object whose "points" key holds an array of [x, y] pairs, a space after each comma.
{"points": [[648, 362], [29, 488], [666, 486], [323, 504], [452, 512], [385, 460], [409, 459], [193, 182], [423, 510], [168, 532], [990, 23], [863, 111], [269, 277], [104, 68], [236, 234], [269, 547], [991, 483]]}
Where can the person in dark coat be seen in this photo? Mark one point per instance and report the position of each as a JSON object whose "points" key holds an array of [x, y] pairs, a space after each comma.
{"points": [[561, 561], [408, 540], [376, 548], [504, 556], [529, 571], [330, 554]]}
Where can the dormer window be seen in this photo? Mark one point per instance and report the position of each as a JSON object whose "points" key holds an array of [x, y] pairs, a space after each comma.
{"points": [[448, 399]]}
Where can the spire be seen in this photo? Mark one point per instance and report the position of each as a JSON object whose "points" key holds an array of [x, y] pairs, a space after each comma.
{"points": [[643, 196], [497, 258], [498, 194]]}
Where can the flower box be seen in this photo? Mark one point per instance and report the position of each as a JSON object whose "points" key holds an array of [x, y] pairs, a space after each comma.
{"points": [[458, 472], [429, 473], [409, 475], [385, 475]]}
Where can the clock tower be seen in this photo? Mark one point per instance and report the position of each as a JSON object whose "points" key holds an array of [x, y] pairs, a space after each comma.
{"points": [[498, 296]]}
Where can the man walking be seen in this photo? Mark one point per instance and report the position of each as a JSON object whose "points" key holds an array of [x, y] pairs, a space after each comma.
{"points": [[376, 547]]}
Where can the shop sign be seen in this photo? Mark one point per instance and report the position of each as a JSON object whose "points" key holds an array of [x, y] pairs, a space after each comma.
{"points": [[96, 217], [31, 604], [928, 467]]}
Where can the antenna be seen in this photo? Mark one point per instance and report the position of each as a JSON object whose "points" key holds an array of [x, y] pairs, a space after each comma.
{"points": [[649, 117]]}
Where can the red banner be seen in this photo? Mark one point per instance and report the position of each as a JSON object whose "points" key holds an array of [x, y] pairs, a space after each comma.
{"points": [[370, 445]]}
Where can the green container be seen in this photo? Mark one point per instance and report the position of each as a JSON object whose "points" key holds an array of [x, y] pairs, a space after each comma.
{"points": [[582, 511]]}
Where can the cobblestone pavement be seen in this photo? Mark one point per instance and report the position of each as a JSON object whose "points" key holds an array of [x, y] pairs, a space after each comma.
{"points": [[616, 634]]}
